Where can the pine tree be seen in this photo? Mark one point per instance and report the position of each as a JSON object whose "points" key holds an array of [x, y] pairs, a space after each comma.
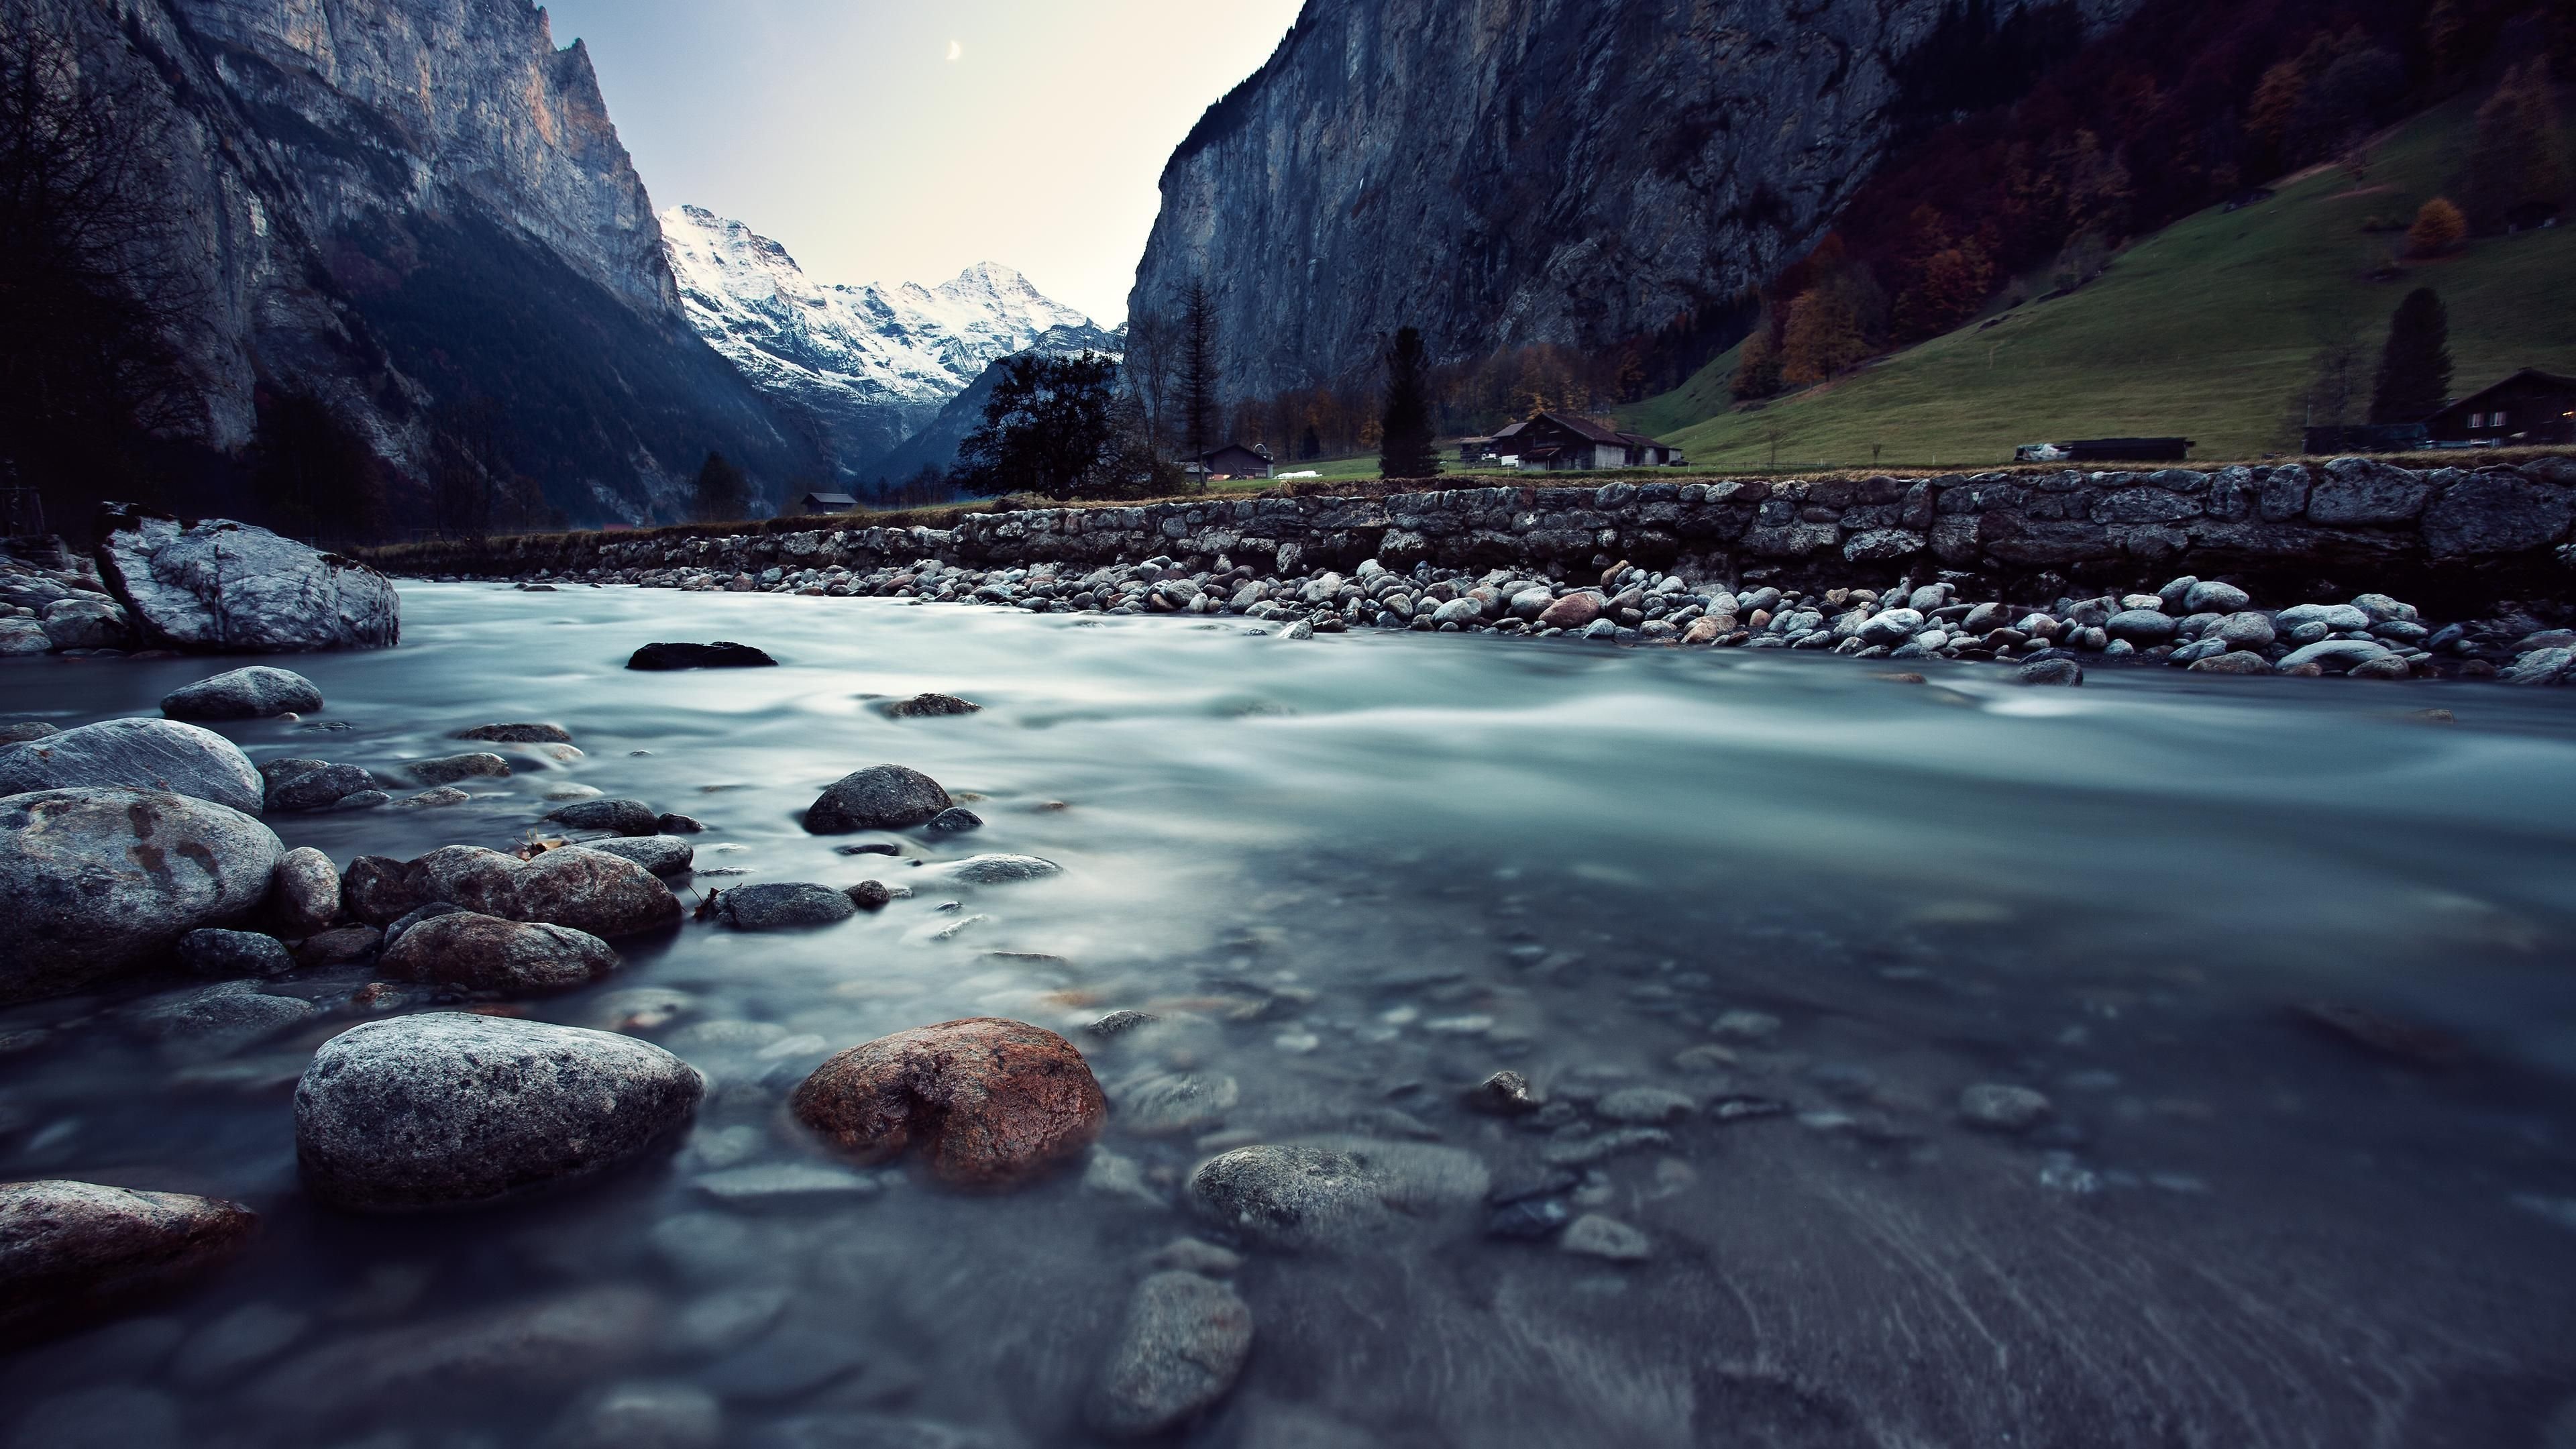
{"points": [[2415, 366], [1201, 407], [721, 493], [1404, 428]]}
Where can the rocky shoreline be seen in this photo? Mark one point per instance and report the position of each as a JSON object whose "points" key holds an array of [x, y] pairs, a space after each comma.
{"points": [[2209, 626]]}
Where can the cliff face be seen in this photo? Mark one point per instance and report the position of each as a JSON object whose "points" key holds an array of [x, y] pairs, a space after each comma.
{"points": [[404, 204], [1503, 172]]}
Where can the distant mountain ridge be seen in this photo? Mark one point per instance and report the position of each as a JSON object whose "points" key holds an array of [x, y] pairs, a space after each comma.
{"points": [[872, 365]]}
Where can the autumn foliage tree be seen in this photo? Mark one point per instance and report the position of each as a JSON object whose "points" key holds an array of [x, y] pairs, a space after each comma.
{"points": [[1823, 337], [2438, 229], [2515, 156]]}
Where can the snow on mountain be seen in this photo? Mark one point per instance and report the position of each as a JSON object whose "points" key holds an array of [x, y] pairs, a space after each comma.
{"points": [[871, 364]]}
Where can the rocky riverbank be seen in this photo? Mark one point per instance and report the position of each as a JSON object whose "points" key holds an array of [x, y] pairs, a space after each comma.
{"points": [[2211, 626], [157, 587]]}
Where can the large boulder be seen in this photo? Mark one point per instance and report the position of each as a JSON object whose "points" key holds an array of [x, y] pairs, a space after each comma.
{"points": [[257, 692], [221, 586], [990, 1102], [72, 1252], [101, 882], [451, 1108], [1183, 1342], [136, 754], [86, 623], [588, 890], [880, 797], [488, 953]]}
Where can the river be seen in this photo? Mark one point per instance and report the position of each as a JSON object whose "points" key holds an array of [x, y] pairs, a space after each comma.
{"points": [[1356, 874]]}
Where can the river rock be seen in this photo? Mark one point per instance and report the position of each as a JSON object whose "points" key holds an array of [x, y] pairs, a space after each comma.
{"points": [[340, 946], [2049, 672], [83, 623], [1179, 1350], [488, 953], [304, 891], [448, 769], [518, 734], [375, 890], [2209, 596], [1002, 869], [2238, 661], [221, 586], [660, 854], [18, 732], [956, 820], [549, 1347], [300, 787], [1301, 1195], [2141, 627], [991, 1102], [136, 754], [257, 692], [1595, 1236], [230, 1015], [723, 654], [23, 637], [2336, 617], [403, 924], [71, 1252], [228, 955], [880, 797], [2246, 630], [100, 882], [626, 817], [2345, 652], [1997, 1107], [783, 905], [931, 706], [1574, 611], [451, 1108], [587, 890]]}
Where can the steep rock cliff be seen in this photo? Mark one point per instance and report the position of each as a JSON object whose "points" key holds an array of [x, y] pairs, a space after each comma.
{"points": [[1503, 172], [403, 204]]}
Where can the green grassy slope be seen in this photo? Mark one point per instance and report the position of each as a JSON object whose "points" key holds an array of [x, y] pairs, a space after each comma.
{"points": [[2206, 329]]}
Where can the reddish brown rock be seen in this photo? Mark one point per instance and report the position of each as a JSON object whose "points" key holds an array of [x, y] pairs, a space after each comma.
{"points": [[1571, 612], [73, 1252], [990, 1102], [488, 953]]}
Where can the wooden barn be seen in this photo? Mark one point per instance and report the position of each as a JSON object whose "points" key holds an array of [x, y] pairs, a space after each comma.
{"points": [[827, 503], [1235, 460], [2530, 407], [1554, 442]]}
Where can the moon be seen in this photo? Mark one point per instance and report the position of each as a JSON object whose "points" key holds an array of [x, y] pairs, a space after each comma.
{"points": [[955, 50]]}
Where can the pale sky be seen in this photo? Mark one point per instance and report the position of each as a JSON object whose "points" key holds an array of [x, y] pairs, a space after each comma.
{"points": [[895, 140]]}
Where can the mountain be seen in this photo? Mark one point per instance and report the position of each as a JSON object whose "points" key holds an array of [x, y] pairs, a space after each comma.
{"points": [[403, 207], [1505, 172], [935, 444], [871, 364]]}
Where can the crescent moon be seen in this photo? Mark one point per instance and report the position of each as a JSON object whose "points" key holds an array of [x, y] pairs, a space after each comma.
{"points": [[955, 50]]}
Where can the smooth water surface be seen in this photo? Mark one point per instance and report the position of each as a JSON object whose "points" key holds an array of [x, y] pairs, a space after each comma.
{"points": [[1354, 875]]}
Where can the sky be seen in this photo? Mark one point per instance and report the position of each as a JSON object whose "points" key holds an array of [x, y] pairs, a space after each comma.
{"points": [[893, 140]]}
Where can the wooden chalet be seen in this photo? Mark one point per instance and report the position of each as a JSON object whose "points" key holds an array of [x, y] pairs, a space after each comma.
{"points": [[1236, 460], [1556, 442], [2528, 408], [828, 503]]}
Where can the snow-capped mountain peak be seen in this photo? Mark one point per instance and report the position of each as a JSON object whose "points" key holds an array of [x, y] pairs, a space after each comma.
{"points": [[873, 362]]}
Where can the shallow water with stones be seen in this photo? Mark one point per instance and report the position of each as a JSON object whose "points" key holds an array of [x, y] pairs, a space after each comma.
{"points": [[1356, 874]]}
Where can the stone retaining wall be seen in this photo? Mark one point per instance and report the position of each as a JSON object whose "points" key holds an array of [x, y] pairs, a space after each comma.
{"points": [[2456, 538]]}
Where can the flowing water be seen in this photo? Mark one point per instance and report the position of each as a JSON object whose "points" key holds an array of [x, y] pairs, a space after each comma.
{"points": [[1355, 875]]}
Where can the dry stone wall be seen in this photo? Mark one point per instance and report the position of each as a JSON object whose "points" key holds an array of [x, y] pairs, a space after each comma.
{"points": [[2457, 538]]}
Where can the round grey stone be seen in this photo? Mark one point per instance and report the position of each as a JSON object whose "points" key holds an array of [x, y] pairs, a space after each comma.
{"points": [[1299, 1195], [448, 769], [72, 1251], [226, 955], [2209, 596], [304, 786], [258, 692], [2050, 671], [625, 817], [304, 891], [1002, 869], [100, 882], [783, 906], [518, 734], [488, 953], [660, 854], [450, 1108], [1179, 1350], [135, 754], [880, 797], [956, 819], [2140, 626]]}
